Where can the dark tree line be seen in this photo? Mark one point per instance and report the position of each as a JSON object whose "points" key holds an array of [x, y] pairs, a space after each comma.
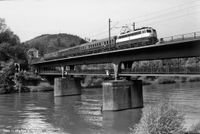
{"points": [[11, 52], [10, 46]]}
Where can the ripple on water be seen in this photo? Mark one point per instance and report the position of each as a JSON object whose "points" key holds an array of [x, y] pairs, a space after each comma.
{"points": [[43, 114]]}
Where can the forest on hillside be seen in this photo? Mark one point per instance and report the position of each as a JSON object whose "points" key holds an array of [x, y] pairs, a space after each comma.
{"points": [[52, 42]]}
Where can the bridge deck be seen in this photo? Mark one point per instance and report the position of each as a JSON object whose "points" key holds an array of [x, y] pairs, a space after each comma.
{"points": [[166, 43]]}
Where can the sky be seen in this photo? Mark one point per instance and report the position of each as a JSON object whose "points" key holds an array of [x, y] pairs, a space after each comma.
{"points": [[89, 18]]}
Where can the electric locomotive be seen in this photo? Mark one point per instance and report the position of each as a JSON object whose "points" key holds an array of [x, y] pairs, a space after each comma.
{"points": [[139, 37]]}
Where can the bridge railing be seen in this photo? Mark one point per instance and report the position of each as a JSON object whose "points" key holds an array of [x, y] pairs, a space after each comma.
{"points": [[163, 70], [181, 37], [141, 70], [99, 71]]}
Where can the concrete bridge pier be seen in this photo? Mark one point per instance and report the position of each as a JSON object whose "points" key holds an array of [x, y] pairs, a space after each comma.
{"points": [[67, 86], [122, 94]]}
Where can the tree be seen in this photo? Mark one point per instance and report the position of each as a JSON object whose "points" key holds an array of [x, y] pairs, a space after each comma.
{"points": [[3, 26], [10, 47], [5, 52]]}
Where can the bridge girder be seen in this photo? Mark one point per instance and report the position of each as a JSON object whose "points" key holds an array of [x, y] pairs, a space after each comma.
{"points": [[153, 52]]}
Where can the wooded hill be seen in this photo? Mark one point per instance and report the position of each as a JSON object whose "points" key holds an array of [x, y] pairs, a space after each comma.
{"points": [[52, 42]]}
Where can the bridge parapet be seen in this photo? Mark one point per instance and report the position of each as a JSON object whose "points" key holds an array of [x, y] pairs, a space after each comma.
{"points": [[181, 37]]}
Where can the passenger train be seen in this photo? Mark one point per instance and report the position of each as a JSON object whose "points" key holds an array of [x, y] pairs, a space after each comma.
{"points": [[137, 38]]}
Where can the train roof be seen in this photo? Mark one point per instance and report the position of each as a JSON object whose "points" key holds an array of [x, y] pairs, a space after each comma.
{"points": [[88, 43], [136, 30], [143, 28]]}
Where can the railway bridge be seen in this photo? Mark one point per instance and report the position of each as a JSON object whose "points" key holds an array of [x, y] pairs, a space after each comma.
{"points": [[124, 94]]}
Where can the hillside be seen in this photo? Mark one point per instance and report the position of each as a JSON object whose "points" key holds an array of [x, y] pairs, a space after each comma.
{"points": [[53, 42]]}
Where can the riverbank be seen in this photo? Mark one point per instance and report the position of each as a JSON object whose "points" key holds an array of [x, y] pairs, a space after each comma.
{"points": [[148, 80], [33, 83], [43, 86]]}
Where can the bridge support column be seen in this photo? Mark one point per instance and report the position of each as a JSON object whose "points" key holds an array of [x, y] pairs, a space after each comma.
{"points": [[116, 70], [122, 94], [63, 71], [67, 86]]}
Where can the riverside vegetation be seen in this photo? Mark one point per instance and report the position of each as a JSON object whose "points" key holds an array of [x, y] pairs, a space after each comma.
{"points": [[13, 51], [163, 118]]}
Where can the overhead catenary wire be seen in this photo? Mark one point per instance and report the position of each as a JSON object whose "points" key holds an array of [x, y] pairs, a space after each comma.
{"points": [[163, 10], [158, 16], [162, 15]]}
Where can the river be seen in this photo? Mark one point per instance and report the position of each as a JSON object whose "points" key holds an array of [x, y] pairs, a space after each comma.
{"points": [[41, 113]]}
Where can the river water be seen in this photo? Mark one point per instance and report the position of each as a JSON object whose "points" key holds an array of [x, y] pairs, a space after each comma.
{"points": [[41, 113]]}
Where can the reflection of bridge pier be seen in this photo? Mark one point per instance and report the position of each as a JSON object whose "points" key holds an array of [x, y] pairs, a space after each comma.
{"points": [[120, 122]]}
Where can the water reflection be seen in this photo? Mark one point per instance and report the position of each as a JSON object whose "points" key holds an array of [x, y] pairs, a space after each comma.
{"points": [[66, 117], [119, 122], [35, 122], [43, 113], [185, 95], [22, 114]]}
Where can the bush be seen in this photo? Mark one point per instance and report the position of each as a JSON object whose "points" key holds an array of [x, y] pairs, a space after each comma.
{"points": [[195, 129], [166, 80], [193, 79], [160, 119]]}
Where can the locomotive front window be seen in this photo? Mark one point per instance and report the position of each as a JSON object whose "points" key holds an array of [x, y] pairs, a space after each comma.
{"points": [[148, 31]]}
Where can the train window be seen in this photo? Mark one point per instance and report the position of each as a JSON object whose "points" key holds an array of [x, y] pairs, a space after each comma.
{"points": [[148, 31]]}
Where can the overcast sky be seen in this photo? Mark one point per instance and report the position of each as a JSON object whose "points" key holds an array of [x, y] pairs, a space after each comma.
{"points": [[89, 18]]}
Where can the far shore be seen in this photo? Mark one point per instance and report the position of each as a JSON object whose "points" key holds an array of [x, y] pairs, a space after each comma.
{"points": [[43, 85]]}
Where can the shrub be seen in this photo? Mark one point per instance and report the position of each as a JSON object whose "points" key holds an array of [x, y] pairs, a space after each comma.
{"points": [[193, 79], [195, 129], [166, 80], [162, 118]]}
